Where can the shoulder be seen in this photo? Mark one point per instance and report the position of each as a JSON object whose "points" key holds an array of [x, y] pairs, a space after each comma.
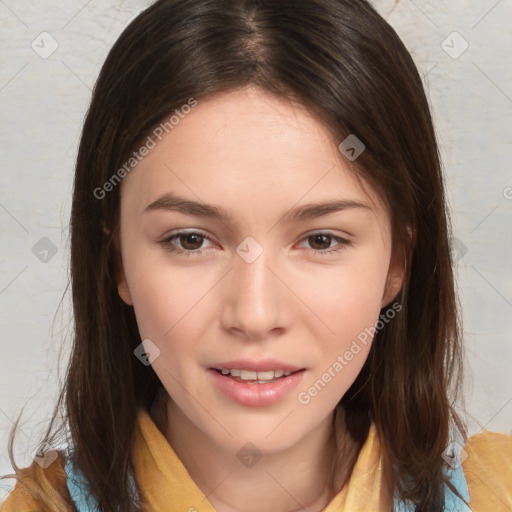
{"points": [[51, 481], [487, 465]]}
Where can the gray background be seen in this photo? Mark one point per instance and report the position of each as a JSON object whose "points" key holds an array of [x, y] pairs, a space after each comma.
{"points": [[43, 100]]}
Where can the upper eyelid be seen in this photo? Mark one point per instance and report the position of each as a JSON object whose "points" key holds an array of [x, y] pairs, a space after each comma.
{"points": [[196, 231]]}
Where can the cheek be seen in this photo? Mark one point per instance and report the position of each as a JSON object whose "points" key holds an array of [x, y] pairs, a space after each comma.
{"points": [[348, 302], [169, 301], [160, 300], [346, 298]]}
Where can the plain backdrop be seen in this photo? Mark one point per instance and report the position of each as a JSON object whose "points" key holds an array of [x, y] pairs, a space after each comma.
{"points": [[50, 56]]}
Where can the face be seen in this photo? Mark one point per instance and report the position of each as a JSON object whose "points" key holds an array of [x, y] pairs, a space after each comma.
{"points": [[253, 277]]}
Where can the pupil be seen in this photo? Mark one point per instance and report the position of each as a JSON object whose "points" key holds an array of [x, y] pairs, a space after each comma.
{"points": [[320, 237], [187, 237]]}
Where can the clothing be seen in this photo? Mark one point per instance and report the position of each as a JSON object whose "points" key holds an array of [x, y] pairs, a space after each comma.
{"points": [[485, 477]]}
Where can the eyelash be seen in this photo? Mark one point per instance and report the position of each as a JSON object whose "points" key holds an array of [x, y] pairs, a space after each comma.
{"points": [[166, 243]]}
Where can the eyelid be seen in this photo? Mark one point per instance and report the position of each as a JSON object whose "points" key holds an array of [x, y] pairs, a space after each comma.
{"points": [[346, 236], [186, 231]]}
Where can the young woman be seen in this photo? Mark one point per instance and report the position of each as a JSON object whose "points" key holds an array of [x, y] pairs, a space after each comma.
{"points": [[264, 305]]}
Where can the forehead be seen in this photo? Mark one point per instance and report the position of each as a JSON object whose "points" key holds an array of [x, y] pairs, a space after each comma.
{"points": [[245, 147]]}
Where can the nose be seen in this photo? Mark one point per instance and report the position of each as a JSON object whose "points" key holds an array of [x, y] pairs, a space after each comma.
{"points": [[254, 298]]}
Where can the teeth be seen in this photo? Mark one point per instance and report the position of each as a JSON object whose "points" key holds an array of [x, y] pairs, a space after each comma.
{"points": [[250, 375], [269, 375]]}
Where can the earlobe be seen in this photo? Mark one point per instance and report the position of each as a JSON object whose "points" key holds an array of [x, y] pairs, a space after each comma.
{"points": [[124, 292]]}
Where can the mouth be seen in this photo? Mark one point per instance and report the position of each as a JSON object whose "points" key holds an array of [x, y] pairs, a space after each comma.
{"points": [[258, 377], [259, 386]]}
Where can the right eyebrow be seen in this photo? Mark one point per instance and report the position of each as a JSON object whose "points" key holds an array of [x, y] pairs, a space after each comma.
{"points": [[173, 202]]}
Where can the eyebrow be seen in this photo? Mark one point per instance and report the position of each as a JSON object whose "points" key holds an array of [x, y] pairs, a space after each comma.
{"points": [[173, 202]]}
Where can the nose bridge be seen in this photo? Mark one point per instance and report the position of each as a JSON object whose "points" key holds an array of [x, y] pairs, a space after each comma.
{"points": [[254, 296]]}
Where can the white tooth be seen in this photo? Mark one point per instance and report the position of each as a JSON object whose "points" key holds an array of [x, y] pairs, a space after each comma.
{"points": [[235, 373], [268, 375], [246, 375], [287, 373], [224, 371], [278, 373]]}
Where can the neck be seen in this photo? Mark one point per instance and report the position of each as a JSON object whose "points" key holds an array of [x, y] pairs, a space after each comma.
{"points": [[307, 476]]}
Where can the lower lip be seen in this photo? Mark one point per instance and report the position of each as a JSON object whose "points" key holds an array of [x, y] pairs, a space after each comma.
{"points": [[254, 394]]}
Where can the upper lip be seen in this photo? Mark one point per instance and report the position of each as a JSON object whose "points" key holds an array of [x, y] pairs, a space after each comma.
{"points": [[257, 366]]}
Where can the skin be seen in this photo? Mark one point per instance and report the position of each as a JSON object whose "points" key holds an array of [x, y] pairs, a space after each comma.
{"points": [[256, 156]]}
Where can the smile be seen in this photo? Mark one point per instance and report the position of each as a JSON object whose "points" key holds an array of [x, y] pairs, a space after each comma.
{"points": [[260, 377], [250, 389]]}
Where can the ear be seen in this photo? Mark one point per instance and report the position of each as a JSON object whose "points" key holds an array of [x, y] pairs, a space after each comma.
{"points": [[122, 285], [396, 273], [394, 282]]}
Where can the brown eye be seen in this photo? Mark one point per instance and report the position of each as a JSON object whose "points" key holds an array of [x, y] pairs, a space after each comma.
{"points": [[191, 241], [320, 241], [186, 243]]}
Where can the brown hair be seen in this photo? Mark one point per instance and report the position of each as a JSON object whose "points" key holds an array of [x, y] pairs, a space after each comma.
{"points": [[347, 65]]}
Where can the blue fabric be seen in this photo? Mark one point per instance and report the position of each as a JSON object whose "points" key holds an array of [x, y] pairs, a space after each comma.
{"points": [[455, 472], [79, 489], [452, 503], [78, 486]]}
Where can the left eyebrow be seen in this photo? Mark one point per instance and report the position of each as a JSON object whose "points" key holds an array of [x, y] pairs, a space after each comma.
{"points": [[173, 202], [316, 210]]}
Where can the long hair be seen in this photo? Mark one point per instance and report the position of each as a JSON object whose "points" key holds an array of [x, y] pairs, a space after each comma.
{"points": [[347, 65]]}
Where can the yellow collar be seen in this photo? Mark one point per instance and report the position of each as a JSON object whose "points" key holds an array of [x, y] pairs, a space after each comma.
{"points": [[167, 486]]}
